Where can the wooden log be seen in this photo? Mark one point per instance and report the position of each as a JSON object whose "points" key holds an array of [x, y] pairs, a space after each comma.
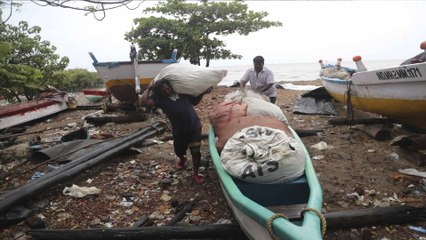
{"points": [[374, 216], [410, 142], [416, 157], [376, 131], [336, 220], [338, 121], [219, 231], [307, 132], [116, 119], [182, 213]]}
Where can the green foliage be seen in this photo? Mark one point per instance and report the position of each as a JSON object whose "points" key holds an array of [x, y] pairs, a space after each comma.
{"points": [[27, 64], [76, 79], [195, 29]]}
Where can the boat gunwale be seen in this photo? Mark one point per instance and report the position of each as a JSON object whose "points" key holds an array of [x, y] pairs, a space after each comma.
{"points": [[282, 227]]}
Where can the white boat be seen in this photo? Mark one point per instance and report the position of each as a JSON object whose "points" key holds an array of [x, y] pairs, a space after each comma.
{"points": [[46, 104], [398, 92], [124, 79]]}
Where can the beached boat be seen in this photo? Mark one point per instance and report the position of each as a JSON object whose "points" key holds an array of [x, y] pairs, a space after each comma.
{"points": [[397, 93], [261, 209], [95, 94], [45, 105], [124, 79]]}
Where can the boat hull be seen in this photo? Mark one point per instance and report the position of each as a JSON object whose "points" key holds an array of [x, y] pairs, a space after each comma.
{"points": [[16, 114], [398, 93], [251, 210], [95, 95], [119, 77]]}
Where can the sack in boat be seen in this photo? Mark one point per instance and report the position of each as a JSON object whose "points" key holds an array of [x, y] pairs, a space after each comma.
{"points": [[260, 107], [190, 79], [335, 73], [263, 155], [226, 111], [224, 132]]}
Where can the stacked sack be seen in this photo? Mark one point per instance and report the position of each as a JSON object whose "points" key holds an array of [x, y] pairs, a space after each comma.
{"points": [[254, 140]]}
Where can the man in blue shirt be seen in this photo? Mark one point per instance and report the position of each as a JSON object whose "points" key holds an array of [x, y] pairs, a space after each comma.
{"points": [[261, 79], [186, 125]]}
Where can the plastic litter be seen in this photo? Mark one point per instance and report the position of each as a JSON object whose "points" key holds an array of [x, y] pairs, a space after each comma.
{"points": [[79, 192]]}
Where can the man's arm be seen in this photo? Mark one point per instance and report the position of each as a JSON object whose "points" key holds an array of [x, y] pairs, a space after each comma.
{"points": [[196, 100], [144, 99]]}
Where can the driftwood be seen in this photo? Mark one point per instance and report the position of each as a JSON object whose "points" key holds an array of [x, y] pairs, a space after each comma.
{"points": [[376, 131], [219, 231], [25, 192]]}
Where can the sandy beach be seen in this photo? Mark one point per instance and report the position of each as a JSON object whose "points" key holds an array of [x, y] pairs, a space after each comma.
{"points": [[355, 172]]}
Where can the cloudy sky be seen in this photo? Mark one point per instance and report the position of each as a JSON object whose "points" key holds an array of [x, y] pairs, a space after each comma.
{"points": [[312, 30]]}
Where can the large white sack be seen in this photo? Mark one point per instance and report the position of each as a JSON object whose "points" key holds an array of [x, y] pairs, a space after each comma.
{"points": [[191, 79], [260, 107], [263, 155]]}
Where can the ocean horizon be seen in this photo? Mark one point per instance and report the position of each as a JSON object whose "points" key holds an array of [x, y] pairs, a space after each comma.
{"points": [[296, 72]]}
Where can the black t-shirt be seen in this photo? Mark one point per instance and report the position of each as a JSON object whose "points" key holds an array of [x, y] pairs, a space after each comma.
{"points": [[181, 112]]}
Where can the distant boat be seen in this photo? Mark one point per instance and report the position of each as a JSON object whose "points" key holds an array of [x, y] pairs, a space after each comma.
{"points": [[95, 94], [124, 79], [45, 105], [397, 93], [260, 209]]}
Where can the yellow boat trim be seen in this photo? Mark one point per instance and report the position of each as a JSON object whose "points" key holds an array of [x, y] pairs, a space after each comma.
{"points": [[122, 82]]}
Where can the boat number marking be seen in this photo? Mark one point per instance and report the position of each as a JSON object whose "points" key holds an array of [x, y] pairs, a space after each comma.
{"points": [[399, 73]]}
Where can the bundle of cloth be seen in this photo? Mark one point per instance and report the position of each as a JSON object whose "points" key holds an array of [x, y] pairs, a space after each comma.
{"points": [[254, 140]]}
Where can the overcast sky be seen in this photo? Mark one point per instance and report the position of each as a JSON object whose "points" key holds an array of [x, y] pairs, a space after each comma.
{"points": [[312, 30]]}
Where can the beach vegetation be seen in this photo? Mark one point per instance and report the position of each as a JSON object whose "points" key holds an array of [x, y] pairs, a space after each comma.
{"points": [[27, 63], [196, 29]]}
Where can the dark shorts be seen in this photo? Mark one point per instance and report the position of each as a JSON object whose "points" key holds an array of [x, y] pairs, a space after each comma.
{"points": [[183, 141]]}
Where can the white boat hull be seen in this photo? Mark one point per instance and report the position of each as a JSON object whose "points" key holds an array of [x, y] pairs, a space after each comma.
{"points": [[398, 93]]}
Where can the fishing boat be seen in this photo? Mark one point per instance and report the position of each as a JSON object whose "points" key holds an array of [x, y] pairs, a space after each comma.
{"points": [[45, 105], [398, 92], [125, 78], [290, 210], [95, 94]]}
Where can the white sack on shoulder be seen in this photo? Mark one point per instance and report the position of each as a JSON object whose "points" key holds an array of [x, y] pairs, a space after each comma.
{"points": [[190, 79], [263, 155]]}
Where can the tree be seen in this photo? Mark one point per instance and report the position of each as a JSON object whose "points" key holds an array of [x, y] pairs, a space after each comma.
{"points": [[27, 63], [195, 29]]}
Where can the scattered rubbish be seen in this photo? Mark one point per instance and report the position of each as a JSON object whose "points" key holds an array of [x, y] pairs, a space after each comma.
{"points": [[322, 146], [76, 191], [418, 229], [318, 157], [36, 175], [395, 155], [413, 172]]}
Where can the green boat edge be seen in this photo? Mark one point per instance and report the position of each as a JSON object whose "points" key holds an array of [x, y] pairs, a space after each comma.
{"points": [[283, 229]]}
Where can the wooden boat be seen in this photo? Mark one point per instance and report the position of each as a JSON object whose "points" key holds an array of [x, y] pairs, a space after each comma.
{"points": [[259, 207], [45, 105], [95, 94], [397, 93], [125, 78]]}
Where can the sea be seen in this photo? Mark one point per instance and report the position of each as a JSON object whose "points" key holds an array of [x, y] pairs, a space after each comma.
{"points": [[297, 72]]}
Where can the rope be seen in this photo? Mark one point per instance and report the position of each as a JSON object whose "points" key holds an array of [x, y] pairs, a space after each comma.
{"points": [[348, 95], [270, 220], [322, 218]]}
